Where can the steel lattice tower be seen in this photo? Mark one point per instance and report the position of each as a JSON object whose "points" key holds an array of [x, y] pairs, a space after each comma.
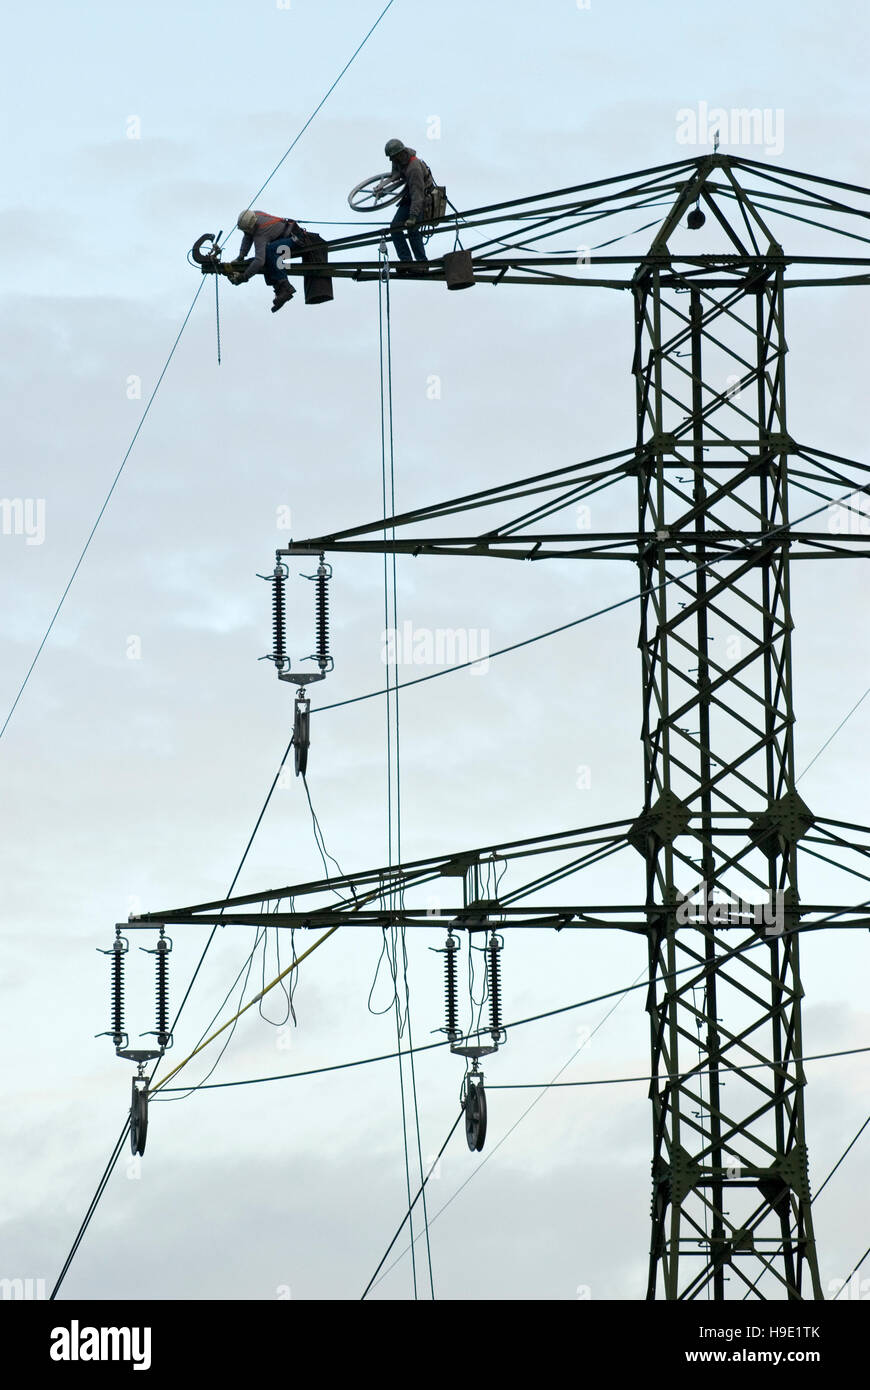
{"points": [[730, 1179], [713, 467]]}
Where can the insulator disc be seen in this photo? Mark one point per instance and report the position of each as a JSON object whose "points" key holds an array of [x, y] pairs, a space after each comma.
{"points": [[475, 1117], [138, 1119]]}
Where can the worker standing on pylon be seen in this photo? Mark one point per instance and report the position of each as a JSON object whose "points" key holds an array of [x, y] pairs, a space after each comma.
{"points": [[267, 234], [418, 181]]}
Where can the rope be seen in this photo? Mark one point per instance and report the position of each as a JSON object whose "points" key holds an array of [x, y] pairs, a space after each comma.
{"points": [[297, 960], [245, 969], [397, 938], [262, 934]]}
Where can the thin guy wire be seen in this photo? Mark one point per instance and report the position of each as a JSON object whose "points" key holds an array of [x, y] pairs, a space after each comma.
{"points": [[101, 512]]}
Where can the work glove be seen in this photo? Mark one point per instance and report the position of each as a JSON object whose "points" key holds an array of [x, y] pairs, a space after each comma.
{"points": [[410, 224], [240, 271]]}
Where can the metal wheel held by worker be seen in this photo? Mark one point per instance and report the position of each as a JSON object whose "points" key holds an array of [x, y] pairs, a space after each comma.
{"points": [[377, 191]]}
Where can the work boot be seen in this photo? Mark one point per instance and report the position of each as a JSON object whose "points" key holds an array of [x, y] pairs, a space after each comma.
{"points": [[284, 292]]}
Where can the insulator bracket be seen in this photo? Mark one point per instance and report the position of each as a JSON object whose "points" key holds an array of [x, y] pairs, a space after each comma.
{"points": [[321, 654]]}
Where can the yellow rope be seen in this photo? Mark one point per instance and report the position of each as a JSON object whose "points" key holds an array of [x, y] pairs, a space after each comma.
{"points": [[292, 966]]}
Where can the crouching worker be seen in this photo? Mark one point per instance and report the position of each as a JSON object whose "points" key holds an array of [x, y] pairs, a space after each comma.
{"points": [[270, 237]]}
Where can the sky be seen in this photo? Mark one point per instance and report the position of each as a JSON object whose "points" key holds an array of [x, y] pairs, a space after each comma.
{"points": [[147, 737]]}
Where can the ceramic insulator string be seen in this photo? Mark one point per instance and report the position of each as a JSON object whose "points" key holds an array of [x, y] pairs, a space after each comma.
{"points": [[451, 951], [162, 992], [321, 616], [494, 949], [119, 948], [279, 651]]}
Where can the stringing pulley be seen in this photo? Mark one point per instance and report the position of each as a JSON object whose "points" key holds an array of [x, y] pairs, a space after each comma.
{"points": [[301, 734], [473, 1096], [139, 1096], [475, 1109], [139, 1113]]}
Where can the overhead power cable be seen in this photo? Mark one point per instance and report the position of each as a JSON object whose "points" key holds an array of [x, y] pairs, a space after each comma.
{"points": [[101, 1187], [516, 1023], [145, 412], [596, 613], [407, 1215], [116, 1151], [106, 500], [555, 1083], [119, 1145], [323, 100], [683, 1076], [853, 1270], [477, 1168], [522, 1086], [842, 722], [849, 1146], [754, 1285]]}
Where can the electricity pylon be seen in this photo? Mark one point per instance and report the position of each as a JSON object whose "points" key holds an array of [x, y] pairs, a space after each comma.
{"points": [[722, 829]]}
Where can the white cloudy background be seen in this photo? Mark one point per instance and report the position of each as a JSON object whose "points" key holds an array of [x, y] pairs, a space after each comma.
{"points": [[134, 784]]}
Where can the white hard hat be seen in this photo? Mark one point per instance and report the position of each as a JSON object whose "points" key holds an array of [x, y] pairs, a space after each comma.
{"points": [[247, 221]]}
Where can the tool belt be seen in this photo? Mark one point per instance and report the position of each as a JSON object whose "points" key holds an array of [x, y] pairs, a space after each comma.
{"points": [[435, 206]]}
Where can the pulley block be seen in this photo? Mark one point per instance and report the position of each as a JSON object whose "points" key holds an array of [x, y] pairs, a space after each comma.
{"points": [[301, 737], [139, 1116], [475, 1115]]}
